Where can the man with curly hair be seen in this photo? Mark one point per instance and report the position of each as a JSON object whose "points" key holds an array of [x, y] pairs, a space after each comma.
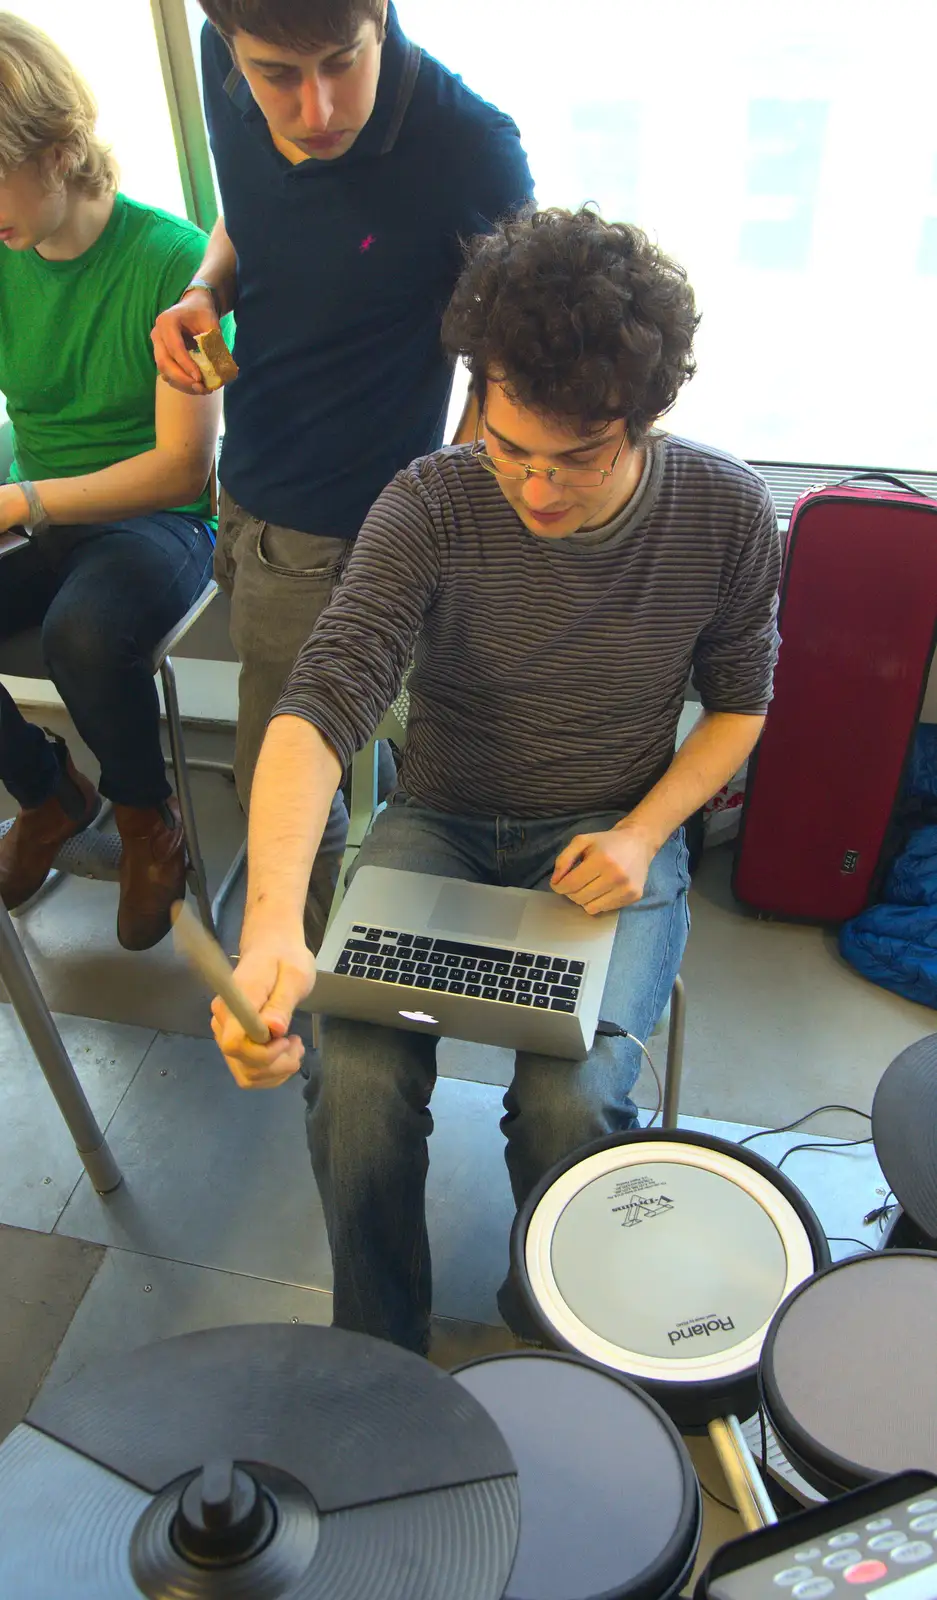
{"points": [[556, 583]]}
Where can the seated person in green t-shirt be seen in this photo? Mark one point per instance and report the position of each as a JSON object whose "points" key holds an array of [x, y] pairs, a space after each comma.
{"points": [[110, 477]]}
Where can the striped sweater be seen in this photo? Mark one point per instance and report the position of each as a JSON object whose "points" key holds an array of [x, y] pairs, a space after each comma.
{"points": [[548, 675]]}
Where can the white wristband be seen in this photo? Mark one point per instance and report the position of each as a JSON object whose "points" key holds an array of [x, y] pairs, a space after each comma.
{"points": [[203, 283]]}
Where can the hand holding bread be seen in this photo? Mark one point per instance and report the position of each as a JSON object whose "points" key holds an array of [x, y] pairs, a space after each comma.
{"points": [[213, 359], [179, 336]]}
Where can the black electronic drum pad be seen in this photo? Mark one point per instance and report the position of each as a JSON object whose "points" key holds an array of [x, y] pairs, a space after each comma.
{"points": [[849, 1370], [904, 1131], [664, 1255], [610, 1505], [379, 1477], [901, 1233]]}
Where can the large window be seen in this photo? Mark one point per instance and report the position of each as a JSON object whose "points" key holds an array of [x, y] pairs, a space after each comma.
{"points": [[786, 155], [113, 45]]}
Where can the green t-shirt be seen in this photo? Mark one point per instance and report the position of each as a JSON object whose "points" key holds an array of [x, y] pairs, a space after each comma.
{"points": [[76, 361]]}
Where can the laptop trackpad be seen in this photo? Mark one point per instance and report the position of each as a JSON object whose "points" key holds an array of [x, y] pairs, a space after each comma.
{"points": [[480, 917]]}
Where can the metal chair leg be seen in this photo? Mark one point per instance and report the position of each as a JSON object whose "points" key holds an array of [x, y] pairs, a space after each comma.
{"points": [[363, 806], [675, 1038], [184, 792], [227, 885], [743, 1479], [36, 1019], [224, 769], [361, 813]]}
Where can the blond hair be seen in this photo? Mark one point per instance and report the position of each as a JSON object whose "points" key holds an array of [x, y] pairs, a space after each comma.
{"points": [[44, 107]]}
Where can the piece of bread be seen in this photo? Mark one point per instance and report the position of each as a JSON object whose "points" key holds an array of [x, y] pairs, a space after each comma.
{"points": [[213, 359]]}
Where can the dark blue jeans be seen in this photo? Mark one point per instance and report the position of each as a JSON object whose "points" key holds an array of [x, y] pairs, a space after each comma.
{"points": [[369, 1087], [105, 595]]}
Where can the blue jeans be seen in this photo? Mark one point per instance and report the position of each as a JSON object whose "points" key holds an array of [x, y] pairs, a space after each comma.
{"points": [[369, 1088], [105, 596]]}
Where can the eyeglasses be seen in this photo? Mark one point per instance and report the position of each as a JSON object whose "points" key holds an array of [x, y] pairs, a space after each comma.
{"points": [[520, 471]]}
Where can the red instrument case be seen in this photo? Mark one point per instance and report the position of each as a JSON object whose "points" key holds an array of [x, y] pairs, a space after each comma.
{"points": [[858, 619]]}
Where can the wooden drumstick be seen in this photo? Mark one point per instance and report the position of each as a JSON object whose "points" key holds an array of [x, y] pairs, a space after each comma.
{"points": [[212, 965]]}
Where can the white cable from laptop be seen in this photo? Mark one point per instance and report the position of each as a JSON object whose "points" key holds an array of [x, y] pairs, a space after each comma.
{"points": [[611, 1030]]}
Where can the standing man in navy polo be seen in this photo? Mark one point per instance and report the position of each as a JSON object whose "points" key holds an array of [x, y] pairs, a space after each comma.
{"points": [[351, 167]]}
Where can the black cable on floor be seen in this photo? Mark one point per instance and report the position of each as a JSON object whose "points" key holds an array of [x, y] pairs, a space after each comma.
{"points": [[839, 1238], [841, 1144], [710, 1496], [788, 1127], [880, 1214]]}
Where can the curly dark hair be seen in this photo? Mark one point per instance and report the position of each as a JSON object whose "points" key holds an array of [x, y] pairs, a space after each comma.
{"points": [[579, 318]]}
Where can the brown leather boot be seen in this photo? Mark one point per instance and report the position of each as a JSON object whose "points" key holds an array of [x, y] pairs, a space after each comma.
{"points": [[152, 871], [29, 848]]}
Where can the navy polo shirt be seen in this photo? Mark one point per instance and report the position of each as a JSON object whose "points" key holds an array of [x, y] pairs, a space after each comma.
{"points": [[344, 270]]}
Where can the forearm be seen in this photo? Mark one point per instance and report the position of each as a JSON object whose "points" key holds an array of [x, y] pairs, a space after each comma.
{"points": [[709, 756], [296, 778], [219, 267], [148, 482]]}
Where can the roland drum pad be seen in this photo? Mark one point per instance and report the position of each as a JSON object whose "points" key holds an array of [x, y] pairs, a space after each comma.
{"points": [[849, 1371], [610, 1504], [664, 1255]]}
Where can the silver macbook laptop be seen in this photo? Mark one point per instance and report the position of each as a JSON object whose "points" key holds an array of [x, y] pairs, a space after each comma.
{"points": [[516, 967]]}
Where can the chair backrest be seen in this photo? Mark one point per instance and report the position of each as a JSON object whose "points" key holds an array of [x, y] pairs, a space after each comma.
{"points": [[172, 640], [204, 633], [21, 654]]}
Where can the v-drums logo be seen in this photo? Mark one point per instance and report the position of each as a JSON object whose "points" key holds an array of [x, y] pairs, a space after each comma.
{"points": [[643, 1209]]}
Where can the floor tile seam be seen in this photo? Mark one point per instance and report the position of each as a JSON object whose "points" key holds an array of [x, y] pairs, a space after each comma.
{"points": [[202, 1266], [466, 1322], [75, 1310], [105, 1130]]}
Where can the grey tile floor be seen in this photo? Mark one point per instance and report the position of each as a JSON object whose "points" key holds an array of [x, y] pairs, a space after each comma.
{"points": [[218, 1219], [43, 1279]]}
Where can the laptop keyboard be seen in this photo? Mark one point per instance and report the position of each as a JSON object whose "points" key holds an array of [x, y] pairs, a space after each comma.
{"points": [[449, 966]]}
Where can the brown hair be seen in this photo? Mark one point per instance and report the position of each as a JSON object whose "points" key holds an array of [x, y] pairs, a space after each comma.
{"points": [[294, 24], [580, 319], [44, 104]]}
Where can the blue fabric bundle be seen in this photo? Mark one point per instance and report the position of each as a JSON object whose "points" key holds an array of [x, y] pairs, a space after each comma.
{"points": [[894, 943]]}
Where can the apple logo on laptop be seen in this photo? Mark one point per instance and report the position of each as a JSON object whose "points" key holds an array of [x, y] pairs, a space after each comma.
{"points": [[417, 1016]]}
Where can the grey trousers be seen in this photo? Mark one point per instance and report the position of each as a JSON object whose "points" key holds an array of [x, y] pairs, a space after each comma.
{"points": [[279, 581]]}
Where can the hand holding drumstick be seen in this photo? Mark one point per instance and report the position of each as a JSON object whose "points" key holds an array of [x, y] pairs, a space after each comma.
{"points": [[240, 996]]}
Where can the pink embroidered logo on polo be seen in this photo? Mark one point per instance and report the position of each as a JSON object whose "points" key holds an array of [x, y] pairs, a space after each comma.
{"points": [[366, 243]]}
